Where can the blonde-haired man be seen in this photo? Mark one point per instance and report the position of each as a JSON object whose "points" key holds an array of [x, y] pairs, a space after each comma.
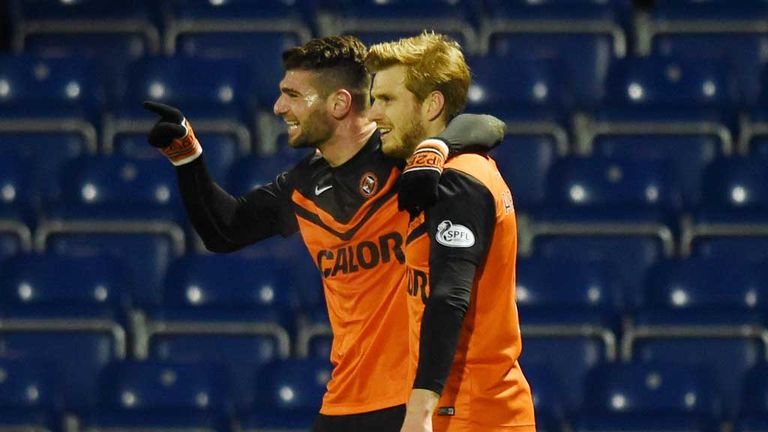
{"points": [[464, 331]]}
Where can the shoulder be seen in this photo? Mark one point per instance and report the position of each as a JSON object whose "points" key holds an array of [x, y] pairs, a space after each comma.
{"points": [[479, 167]]}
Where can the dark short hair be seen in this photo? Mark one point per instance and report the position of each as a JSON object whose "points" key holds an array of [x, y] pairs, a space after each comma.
{"points": [[341, 62]]}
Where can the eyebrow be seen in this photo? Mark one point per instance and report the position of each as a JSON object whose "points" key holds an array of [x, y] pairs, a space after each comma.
{"points": [[286, 89]]}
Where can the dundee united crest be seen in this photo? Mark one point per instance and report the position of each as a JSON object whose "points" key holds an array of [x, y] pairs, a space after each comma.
{"points": [[369, 184]]}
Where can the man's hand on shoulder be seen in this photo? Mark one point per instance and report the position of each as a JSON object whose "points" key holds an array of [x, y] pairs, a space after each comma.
{"points": [[418, 186]]}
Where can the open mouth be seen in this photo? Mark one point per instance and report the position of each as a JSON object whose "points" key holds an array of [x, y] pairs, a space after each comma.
{"points": [[292, 125], [384, 131]]}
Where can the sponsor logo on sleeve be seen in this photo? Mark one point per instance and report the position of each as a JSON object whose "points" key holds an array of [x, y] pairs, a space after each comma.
{"points": [[454, 235]]}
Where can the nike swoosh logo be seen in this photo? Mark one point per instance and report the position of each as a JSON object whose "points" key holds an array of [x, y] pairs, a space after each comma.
{"points": [[319, 190]]}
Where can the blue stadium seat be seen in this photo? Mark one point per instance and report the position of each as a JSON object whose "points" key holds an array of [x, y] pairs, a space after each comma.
{"points": [[253, 171], [262, 50], [290, 394], [547, 395], [524, 160], [146, 255], [708, 291], [585, 35], [723, 354], [215, 94], [595, 188], [162, 396], [751, 424], [117, 188], [630, 254], [657, 389], [536, 85], [221, 150], [754, 407], [238, 21], [61, 96], [755, 397], [399, 18], [639, 423], [115, 32], [42, 156], [18, 201], [30, 396], [580, 293], [228, 309], [682, 101], [686, 156], [531, 102], [122, 207], [735, 204], [569, 358], [687, 28], [70, 311]]}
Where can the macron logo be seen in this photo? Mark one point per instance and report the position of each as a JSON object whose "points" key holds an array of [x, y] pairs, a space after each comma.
{"points": [[319, 190], [456, 235]]}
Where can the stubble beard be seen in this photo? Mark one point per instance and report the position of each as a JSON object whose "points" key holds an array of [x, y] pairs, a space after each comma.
{"points": [[315, 130]]}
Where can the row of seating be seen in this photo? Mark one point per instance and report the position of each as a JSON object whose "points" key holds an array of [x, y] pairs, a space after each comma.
{"points": [[164, 395], [85, 311], [642, 177]]}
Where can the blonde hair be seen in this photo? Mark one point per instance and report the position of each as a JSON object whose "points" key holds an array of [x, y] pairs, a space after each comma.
{"points": [[433, 62]]}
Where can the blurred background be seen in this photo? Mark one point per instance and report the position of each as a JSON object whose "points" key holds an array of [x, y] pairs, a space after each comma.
{"points": [[636, 152]]}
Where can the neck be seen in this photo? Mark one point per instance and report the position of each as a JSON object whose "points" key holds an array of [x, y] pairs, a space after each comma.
{"points": [[434, 128], [347, 140]]}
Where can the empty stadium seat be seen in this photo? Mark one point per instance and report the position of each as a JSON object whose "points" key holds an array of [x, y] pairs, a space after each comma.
{"points": [[30, 396], [629, 190], [253, 171], [114, 33], [237, 21], [755, 397], [221, 150], [685, 156], [569, 358], [399, 18], [708, 291], [261, 50], [117, 188], [579, 295], [38, 95], [651, 388], [290, 394], [585, 35], [682, 101], [735, 204], [17, 206], [711, 29], [214, 94], [70, 311], [228, 309], [723, 356], [162, 396], [146, 254], [630, 254], [524, 160], [547, 393]]}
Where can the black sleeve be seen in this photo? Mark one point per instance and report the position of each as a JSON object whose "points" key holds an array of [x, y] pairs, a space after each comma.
{"points": [[460, 228], [468, 133], [226, 223]]}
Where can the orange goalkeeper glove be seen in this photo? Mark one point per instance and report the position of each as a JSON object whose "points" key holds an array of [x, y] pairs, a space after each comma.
{"points": [[173, 135]]}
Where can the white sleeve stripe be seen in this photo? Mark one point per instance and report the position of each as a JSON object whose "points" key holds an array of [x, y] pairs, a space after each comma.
{"points": [[438, 143], [424, 168]]}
